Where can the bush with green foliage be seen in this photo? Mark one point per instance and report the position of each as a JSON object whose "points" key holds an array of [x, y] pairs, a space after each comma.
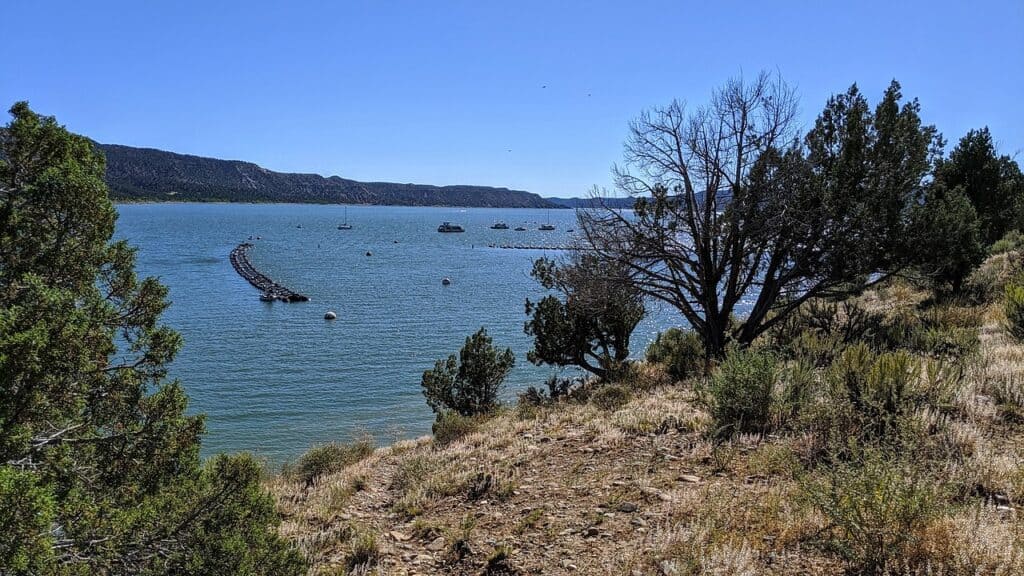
{"points": [[558, 388], [329, 458], [99, 461], [741, 392], [469, 385], [680, 351], [993, 183], [590, 325], [610, 396], [877, 508], [1013, 241], [882, 391], [451, 426], [987, 284], [949, 231], [1013, 307]]}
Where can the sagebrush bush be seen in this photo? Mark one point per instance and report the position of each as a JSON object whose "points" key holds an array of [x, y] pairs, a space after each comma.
{"points": [[873, 396], [1013, 241], [741, 391], [611, 396], [363, 555], [558, 388], [329, 458], [877, 509], [1013, 307], [680, 351], [451, 426], [987, 283]]}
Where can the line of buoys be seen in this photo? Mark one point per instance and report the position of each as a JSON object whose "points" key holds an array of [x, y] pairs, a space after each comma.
{"points": [[271, 290], [532, 247]]}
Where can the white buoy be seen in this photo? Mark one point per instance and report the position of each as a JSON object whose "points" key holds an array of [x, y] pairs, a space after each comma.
{"points": [[330, 315], [446, 281]]}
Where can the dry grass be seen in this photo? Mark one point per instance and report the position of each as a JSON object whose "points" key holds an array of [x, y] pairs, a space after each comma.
{"points": [[635, 486]]}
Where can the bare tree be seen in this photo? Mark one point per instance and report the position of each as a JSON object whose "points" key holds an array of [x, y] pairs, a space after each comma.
{"points": [[730, 206]]}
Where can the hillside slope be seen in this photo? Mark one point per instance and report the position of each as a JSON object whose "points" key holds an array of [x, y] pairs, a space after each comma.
{"points": [[146, 174], [636, 484]]}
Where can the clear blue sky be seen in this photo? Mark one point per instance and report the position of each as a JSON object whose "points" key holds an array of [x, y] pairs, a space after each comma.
{"points": [[451, 92]]}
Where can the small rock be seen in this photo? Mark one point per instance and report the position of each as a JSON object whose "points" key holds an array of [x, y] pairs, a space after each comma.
{"points": [[400, 537], [627, 507], [638, 522], [437, 545], [591, 532], [689, 478]]}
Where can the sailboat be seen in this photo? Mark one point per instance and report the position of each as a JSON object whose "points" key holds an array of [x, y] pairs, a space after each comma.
{"points": [[548, 226], [345, 225]]}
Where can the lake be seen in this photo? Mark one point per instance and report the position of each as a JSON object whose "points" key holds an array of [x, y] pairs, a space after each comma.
{"points": [[275, 378]]}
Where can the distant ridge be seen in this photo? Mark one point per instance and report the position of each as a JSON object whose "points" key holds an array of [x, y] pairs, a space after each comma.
{"points": [[617, 203], [150, 175]]}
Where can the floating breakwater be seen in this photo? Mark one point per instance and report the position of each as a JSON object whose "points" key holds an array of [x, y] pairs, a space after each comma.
{"points": [[271, 290]]}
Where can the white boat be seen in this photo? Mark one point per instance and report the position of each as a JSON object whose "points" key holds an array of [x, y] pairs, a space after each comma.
{"points": [[345, 225], [547, 226]]}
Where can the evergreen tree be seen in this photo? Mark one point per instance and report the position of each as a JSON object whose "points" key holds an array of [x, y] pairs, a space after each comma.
{"points": [[470, 385], [950, 237], [994, 184], [99, 464], [592, 325]]}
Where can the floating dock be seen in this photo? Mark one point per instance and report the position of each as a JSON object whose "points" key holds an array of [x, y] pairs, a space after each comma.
{"points": [[240, 261]]}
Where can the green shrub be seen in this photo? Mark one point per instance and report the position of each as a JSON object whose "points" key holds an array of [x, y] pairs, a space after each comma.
{"points": [[937, 332], [558, 388], [1013, 241], [680, 351], [329, 458], [883, 390], [988, 283], [741, 391], [877, 509], [471, 384], [363, 555], [611, 396], [451, 426], [1013, 307]]}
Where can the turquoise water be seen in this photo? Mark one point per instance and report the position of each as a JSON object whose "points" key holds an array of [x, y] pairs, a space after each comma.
{"points": [[274, 378]]}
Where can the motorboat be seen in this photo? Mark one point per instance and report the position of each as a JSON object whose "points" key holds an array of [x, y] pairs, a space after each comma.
{"points": [[448, 227], [499, 226]]}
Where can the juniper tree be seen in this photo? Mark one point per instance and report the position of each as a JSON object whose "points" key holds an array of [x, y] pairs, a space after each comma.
{"points": [[470, 384], [993, 183], [731, 206], [589, 321], [99, 462]]}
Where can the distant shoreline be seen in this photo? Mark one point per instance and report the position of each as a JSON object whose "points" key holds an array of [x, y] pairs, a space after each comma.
{"points": [[119, 201]]}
